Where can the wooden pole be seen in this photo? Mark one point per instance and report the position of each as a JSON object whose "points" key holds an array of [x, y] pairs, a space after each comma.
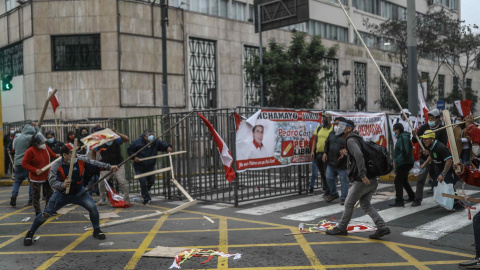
{"points": [[451, 139], [468, 199], [80, 125], [57, 129], [45, 106], [175, 181], [380, 72], [72, 161], [138, 176], [50, 165], [450, 125], [163, 155], [140, 150]]}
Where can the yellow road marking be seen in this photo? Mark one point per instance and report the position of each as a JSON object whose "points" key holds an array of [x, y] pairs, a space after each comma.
{"points": [[223, 243], [146, 242], [436, 250], [406, 256], [307, 249]]}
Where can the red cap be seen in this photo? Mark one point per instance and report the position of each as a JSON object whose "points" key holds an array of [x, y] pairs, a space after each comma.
{"points": [[69, 146]]}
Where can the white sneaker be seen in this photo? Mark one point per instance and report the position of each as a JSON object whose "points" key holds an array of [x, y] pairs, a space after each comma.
{"points": [[101, 202]]}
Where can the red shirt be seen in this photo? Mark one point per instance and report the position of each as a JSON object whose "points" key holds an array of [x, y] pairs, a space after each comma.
{"points": [[36, 158]]}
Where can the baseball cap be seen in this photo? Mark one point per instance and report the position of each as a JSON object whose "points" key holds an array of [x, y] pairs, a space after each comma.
{"points": [[428, 135], [435, 113]]}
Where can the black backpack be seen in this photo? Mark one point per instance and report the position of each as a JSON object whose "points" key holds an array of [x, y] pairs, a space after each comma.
{"points": [[377, 159]]}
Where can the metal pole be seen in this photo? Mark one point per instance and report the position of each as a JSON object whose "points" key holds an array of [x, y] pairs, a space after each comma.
{"points": [[412, 58], [259, 23], [164, 14]]}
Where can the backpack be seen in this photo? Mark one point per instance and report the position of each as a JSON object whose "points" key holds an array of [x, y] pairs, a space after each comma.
{"points": [[377, 159]]}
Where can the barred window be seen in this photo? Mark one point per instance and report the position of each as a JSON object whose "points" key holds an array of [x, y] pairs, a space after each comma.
{"points": [[441, 86], [202, 72], [79, 52], [384, 92], [360, 73], [251, 95], [11, 60]]}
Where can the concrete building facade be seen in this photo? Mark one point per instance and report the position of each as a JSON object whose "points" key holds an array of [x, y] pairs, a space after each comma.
{"points": [[105, 58]]}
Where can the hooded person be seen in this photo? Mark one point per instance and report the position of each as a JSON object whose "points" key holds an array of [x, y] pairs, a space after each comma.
{"points": [[59, 181], [20, 145], [36, 157]]}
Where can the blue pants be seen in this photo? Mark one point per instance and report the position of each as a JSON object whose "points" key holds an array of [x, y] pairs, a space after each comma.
{"points": [[146, 183], [314, 176], [59, 200], [21, 174], [331, 175]]}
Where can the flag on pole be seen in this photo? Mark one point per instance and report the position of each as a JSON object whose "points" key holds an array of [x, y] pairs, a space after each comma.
{"points": [[423, 105], [54, 100], [225, 154], [116, 200], [463, 107]]}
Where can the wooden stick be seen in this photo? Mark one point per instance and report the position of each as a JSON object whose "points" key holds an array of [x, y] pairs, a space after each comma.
{"points": [[50, 165], [303, 233], [80, 125], [450, 125], [461, 198], [175, 181], [163, 155], [72, 161], [45, 106], [138, 176], [451, 139], [140, 150], [56, 123]]}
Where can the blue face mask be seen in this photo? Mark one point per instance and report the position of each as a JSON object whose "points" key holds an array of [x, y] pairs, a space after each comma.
{"points": [[394, 134], [457, 121], [109, 143], [150, 138], [432, 123], [51, 140]]}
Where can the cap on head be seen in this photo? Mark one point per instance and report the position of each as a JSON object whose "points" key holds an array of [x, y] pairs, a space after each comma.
{"points": [[428, 135], [406, 111], [435, 113]]}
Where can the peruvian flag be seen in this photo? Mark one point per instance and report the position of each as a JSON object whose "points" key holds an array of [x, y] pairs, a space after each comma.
{"points": [[54, 100], [421, 101], [116, 200], [225, 154], [463, 106]]}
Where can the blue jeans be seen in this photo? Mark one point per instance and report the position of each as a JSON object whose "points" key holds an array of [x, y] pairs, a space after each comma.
{"points": [[314, 176], [21, 174], [59, 200], [146, 183], [332, 174], [90, 183]]}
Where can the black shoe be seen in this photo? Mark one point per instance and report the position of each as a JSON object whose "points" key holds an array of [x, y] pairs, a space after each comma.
{"points": [[311, 193], [13, 201], [336, 231], [410, 200], [99, 234], [29, 203], [28, 240], [397, 205], [342, 202], [473, 262], [416, 203], [379, 233], [331, 198], [146, 202]]}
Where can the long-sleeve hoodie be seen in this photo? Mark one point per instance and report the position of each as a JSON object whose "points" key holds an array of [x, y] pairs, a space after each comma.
{"points": [[403, 151], [150, 151], [356, 160], [21, 143]]}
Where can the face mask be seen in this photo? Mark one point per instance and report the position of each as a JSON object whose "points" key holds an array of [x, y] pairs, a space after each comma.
{"points": [[12, 131], [457, 121], [335, 128], [432, 123], [109, 143], [150, 138], [84, 135], [72, 138], [42, 146], [340, 129], [51, 140], [394, 135], [476, 149]]}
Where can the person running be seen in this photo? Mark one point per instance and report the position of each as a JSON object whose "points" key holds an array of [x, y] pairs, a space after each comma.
{"points": [[140, 167], [37, 157], [58, 179], [362, 188]]}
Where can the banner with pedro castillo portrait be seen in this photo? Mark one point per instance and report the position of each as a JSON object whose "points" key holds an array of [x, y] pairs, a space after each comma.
{"points": [[280, 138]]}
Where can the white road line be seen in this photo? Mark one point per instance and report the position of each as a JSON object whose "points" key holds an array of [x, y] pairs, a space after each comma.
{"points": [[399, 212], [440, 227], [269, 208]]}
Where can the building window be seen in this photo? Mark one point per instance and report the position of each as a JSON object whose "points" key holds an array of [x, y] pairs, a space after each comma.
{"points": [[344, 2], [360, 73], [393, 12], [441, 87], [80, 52], [452, 4], [374, 41], [326, 30], [455, 84], [331, 86], [213, 7], [239, 11], [469, 83], [9, 5], [371, 6], [384, 92], [11, 60], [425, 76], [202, 73], [251, 95]]}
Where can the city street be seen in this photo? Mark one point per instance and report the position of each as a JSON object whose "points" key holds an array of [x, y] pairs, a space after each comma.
{"points": [[425, 237]]}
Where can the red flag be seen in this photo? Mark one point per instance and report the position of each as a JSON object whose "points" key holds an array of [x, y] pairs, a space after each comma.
{"points": [[225, 154], [54, 100], [116, 200], [463, 107], [238, 120]]}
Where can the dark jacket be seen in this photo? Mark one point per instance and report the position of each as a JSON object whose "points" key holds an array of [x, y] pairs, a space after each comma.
{"points": [[150, 151], [55, 146], [356, 161], [403, 151], [440, 136], [7, 139], [333, 146]]}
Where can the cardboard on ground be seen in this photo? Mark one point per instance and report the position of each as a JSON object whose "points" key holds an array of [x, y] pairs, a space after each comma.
{"points": [[166, 252]]}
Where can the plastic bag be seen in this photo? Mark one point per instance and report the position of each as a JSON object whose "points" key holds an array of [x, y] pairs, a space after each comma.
{"points": [[445, 202], [416, 169]]}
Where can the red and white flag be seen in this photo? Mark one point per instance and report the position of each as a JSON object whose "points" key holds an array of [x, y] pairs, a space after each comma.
{"points": [[225, 154], [54, 100], [421, 101], [116, 200], [463, 107]]}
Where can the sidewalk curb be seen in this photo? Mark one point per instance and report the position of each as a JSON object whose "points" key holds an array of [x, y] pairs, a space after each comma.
{"points": [[391, 177], [9, 182]]}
